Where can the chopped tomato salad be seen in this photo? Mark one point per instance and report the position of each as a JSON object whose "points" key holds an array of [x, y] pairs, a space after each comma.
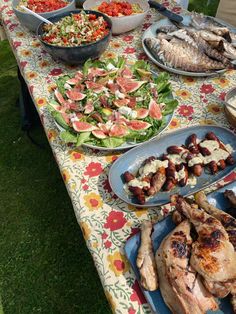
{"points": [[116, 8], [41, 6], [75, 30]]}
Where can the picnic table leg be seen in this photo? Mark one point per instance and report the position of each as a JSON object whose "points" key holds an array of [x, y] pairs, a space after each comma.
{"points": [[29, 116]]}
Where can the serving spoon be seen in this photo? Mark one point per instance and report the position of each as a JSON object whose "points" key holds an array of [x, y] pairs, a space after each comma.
{"points": [[36, 15]]}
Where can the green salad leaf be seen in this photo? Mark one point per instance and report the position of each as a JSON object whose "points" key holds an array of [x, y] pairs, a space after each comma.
{"points": [[68, 137], [82, 137], [61, 82], [113, 141], [60, 120]]}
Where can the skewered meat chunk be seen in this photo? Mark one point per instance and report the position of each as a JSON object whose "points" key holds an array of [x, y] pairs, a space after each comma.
{"points": [[145, 259], [192, 144], [157, 181], [213, 255], [128, 176], [180, 285], [138, 193]]}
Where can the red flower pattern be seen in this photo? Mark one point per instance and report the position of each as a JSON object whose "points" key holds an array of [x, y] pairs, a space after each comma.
{"points": [[128, 38], [207, 89], [107, 244], [131, 310], [222, 95], [129, 50], [56, 72], [16, 44], [12, 27], [106, 186], [115, 221], [137, 294], [85, 188], [23, 64], [146, 25], [142, 56], [104, 235], [93, 169], [185, 110]]}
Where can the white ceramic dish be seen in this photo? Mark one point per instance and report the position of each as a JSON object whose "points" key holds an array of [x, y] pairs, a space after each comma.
{"points": [[122, 24]]}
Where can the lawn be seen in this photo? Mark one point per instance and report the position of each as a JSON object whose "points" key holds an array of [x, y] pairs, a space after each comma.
{"points": [[45, 266]]}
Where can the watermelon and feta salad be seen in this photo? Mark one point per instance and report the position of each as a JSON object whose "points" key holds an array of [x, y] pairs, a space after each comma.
{"points": [[109, 104]]}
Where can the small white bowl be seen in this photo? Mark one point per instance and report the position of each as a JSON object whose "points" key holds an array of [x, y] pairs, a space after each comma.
{"points": [[122, 24]]}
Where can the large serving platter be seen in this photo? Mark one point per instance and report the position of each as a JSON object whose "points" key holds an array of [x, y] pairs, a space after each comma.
{"points": [[126, 145], [151, 33], [160, 230], [132, 160]]}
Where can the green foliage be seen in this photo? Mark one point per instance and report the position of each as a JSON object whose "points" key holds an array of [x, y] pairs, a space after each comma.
{"points": [[45, 266]]}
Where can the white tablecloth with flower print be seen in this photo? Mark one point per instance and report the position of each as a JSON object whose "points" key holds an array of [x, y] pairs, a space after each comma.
{"points": [[106, 221]]}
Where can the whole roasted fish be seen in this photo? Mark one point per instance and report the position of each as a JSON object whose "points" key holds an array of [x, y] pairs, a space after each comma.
{"points": [[182, 55], [218, 42], [200, 21]]}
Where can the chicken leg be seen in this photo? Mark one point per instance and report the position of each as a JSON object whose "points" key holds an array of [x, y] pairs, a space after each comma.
{"points": [[146, 260], [213, 255], [180, 285], [229, 224]]}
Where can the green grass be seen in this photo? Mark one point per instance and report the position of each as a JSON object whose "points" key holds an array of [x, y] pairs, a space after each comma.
{"points": [[45, 266], [207, 7]]}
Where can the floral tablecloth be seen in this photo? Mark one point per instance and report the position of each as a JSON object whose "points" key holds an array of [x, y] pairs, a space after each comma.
{"points": [[106, 221]]}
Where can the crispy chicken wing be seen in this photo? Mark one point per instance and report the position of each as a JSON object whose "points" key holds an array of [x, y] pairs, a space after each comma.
{"points": [[146, 260], [213, 255], [180, 285]]}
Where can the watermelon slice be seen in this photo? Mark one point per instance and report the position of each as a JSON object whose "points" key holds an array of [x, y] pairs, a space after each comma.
{"points": [[126, 72], [99, 134], [118, 130], [121, 102], [88, 108], [154, 110], [59, 97], [80, 126], [137, 125], [142, 113], [97, 88], [75, 94], [128, 85]]}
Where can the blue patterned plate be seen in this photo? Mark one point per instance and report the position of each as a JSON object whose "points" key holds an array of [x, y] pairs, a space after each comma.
{"points": [[161, 229], [132, 160]]}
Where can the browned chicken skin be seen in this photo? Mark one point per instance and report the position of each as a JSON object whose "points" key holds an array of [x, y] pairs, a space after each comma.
{"points": [[231, 197], [146, 260], [229, 224], [180, 285], [213, 256]]}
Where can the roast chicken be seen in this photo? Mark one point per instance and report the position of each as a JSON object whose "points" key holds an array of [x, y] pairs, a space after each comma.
{"points": [[213, 255], [180, 285], [146, 260], [229, 224]]}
